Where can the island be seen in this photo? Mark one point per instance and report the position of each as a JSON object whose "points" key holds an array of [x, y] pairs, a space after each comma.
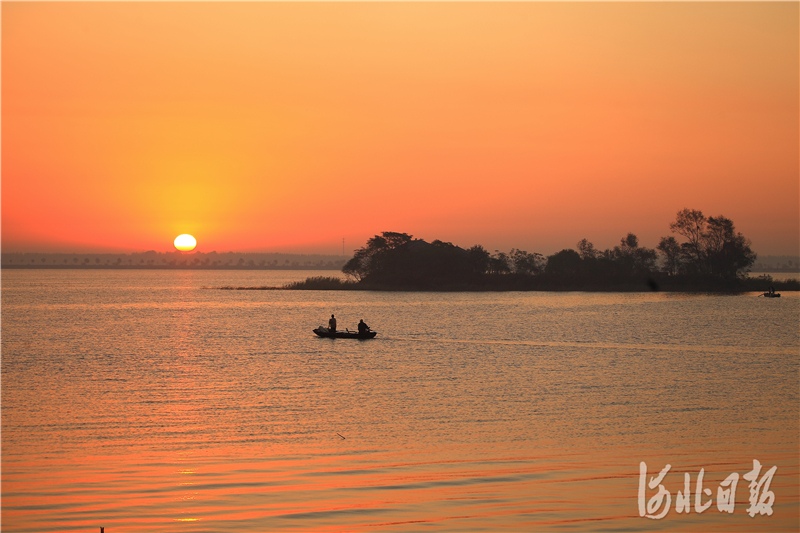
{"points": [[712, 257]]}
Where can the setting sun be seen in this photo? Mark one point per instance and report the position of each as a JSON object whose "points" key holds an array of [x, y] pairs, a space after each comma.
{"points": [[185, 242]]}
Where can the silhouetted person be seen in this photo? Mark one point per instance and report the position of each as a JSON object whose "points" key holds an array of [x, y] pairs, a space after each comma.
{"points": [[332, 324], [362, 327]]}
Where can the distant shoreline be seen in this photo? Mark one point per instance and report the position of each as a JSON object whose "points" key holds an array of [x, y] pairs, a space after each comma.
{"points": [[502, 283], [237, 267], [165, 267]]}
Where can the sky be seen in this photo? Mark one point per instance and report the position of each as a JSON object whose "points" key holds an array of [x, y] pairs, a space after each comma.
{"points": [[289, 127]]}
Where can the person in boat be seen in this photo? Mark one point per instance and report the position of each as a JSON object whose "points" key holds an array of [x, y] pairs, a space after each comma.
{"points": [[771, 290], [332, 324], [362, 327]]}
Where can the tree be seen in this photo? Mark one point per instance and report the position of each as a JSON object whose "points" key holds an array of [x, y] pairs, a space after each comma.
{"points": [[671, 250], [393, 239], [357, 266], [567, 262], [633, 259], [728, 253], [370, 258], [478, 259], [527, 263], [713, 246], [498, 263], [690, 224], [587, 250], [397, 260]]}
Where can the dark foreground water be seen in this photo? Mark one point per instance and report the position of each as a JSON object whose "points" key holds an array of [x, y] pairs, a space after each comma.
{"points": [[143, 401]]}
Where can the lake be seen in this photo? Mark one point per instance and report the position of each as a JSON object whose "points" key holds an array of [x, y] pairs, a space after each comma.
{"points": [[144, 401], [776, 276]]}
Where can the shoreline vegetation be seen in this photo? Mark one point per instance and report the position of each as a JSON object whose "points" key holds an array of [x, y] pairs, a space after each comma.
{"points": [[712, 257], [513, 283]]}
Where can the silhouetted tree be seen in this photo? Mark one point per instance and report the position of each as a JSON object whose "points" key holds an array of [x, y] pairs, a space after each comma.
{"points": [[690, 224], [567, 262], [586, 250], [478, 259], [713, 246], [631, 259], [728, 253], [527, 263], [671, 250], [397, 260], [369, 259], [498, 263]]}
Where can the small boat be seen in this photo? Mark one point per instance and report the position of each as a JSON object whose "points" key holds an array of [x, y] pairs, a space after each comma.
{"points": [[347, 334], [771, 295]]}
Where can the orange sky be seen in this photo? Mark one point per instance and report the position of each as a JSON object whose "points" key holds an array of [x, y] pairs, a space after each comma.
{"points": [[288, 126]]}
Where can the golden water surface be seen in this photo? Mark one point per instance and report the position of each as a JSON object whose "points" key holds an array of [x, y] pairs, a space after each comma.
{"points": [[152, 401]]}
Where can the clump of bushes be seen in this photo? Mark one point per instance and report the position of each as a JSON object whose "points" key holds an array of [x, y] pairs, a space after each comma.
{"points": [[320, 283]]}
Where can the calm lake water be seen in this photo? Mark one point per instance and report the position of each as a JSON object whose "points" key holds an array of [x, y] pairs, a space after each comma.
{"points": [[146, 401], [776, 276]]}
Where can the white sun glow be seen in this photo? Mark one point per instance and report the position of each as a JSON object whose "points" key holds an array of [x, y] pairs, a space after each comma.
{"points": [[185, 242]]}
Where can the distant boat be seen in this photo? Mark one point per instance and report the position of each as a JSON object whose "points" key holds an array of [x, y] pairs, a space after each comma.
{"points": [[325, 332], [771, 295]]}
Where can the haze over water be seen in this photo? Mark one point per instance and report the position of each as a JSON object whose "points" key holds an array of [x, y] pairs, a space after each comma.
{"points": [[149, 401]]}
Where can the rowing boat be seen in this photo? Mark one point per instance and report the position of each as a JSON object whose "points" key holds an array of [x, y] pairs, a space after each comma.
{"points": [[325, 332]]}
